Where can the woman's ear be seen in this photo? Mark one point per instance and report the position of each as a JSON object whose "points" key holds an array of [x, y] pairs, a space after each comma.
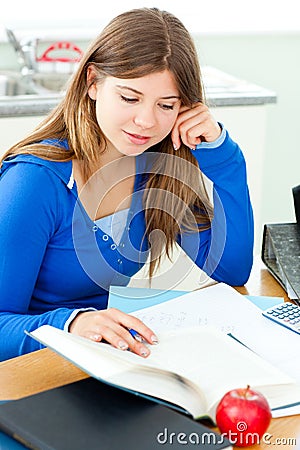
{"points": [[91, 82]]}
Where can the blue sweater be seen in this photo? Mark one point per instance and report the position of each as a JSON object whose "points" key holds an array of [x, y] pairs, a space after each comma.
{"points": [[54, 259]]}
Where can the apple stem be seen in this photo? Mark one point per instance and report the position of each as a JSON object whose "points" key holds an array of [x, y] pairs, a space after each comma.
{"points": [[247, 390]]}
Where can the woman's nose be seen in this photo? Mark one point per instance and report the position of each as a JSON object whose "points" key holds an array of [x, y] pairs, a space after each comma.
{"points": [[145, 119]]}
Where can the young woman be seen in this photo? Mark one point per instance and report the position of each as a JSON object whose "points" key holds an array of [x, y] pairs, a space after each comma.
{"points": [[113, 175]]}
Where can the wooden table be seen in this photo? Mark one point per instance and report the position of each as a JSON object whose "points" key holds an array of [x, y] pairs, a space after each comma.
{"points": [[43, 369]]}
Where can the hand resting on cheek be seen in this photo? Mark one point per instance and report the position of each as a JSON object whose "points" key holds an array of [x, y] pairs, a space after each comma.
{"points": [[193, 126]]}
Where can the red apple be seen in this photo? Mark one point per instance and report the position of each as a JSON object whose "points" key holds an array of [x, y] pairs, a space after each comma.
{"points": [[243, 416]]}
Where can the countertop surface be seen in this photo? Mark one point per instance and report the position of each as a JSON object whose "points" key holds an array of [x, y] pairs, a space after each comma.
{"points": [[221, 90]]}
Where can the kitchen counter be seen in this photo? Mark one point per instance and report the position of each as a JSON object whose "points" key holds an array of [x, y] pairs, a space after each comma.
{"points": [[221, 90]]}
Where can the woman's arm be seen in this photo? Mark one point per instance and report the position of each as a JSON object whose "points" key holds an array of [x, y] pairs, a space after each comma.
{"points": [[30, 205], [29, 212]]}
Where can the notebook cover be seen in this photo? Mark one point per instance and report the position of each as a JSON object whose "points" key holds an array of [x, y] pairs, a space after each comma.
{"points": [[296, 197], [281, 254], [90, 415]]}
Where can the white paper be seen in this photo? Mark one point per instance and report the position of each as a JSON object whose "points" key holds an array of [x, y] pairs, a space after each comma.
{"points": [[223, 307]]}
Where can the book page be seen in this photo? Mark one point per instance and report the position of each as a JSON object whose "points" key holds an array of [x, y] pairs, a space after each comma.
{"points": [[123, 369], [210, 360], [223, 307], [217, 363]]}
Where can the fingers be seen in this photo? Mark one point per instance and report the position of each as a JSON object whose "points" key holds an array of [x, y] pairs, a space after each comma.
{"points": [[175, 134], [113, 326], [194, 125], [121, 338]]}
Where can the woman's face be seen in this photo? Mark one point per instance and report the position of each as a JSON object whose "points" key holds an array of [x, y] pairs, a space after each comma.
{"points": [[135, 114]]}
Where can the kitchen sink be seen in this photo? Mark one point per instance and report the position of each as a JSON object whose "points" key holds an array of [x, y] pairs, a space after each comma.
{"points": [[53, 82], [13, 84]]}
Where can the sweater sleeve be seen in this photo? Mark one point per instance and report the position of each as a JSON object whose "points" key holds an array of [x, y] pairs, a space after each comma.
{"points": [[29, 216], [225, 250]]}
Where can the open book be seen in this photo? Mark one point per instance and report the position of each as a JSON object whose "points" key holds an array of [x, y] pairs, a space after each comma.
{"points": [[190, 369]]}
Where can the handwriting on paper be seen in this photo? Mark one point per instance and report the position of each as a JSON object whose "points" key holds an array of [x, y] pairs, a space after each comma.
{"points": [[160, 320]]}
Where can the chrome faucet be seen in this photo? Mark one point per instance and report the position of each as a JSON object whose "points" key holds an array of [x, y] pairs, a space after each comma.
{"points": [[26, 52]]}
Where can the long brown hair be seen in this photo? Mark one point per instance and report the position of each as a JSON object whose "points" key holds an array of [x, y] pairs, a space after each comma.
{"points": [[134, 44]]}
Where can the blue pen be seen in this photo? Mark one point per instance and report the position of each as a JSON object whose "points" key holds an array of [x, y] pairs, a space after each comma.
{"points": [[135, 335]]}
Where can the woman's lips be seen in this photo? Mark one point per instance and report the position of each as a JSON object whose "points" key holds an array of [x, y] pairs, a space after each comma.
{"points": [[137, 139]]}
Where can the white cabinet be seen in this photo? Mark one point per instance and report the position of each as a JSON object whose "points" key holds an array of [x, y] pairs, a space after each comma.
{"points": [[12, 129], [247, 126]]}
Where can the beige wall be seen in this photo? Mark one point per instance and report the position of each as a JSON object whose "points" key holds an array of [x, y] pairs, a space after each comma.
{"points": [[272, 61]]}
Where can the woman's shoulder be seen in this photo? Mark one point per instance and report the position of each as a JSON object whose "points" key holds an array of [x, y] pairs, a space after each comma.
{"points": [[29, 180], [33, 165]]}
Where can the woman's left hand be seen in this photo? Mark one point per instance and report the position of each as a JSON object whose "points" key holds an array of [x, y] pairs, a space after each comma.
{"points": [[194, 125]]}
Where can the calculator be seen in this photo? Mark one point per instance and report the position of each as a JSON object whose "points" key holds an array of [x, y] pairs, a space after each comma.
{"points": [[286, 314]]}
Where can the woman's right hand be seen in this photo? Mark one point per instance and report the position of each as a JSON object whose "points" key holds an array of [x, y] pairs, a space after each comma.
{"points": [[194, 125], [113, 325]]}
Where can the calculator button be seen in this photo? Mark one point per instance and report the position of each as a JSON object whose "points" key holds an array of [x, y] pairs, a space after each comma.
{"points": [[287, 314]]}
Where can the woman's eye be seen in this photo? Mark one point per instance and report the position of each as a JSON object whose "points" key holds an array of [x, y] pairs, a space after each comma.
{"points": [[128, 99], [167, 107]]}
